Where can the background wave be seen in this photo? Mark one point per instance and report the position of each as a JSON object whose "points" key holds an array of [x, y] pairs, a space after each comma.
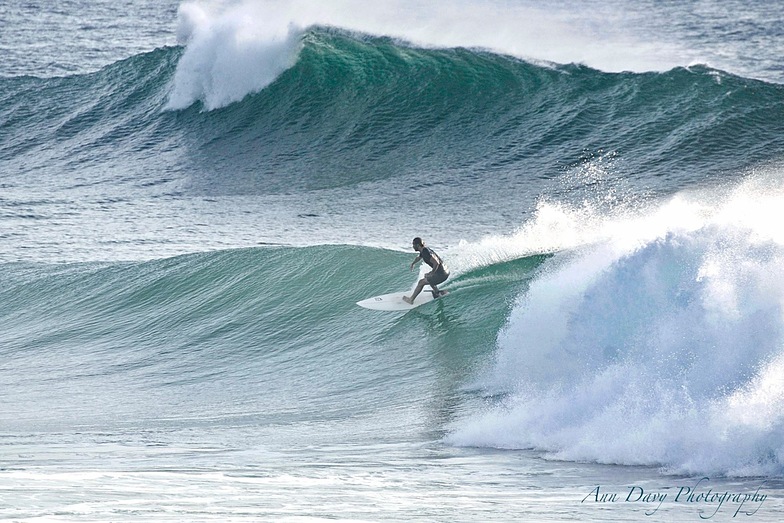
{"points": [[356, 109]]}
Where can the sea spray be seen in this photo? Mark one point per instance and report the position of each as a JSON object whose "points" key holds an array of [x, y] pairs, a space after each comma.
{"points": [[229, 56], [659, 350], [236, 49]]}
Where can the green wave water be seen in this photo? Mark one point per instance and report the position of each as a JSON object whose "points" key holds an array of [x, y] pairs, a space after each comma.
{"points": [[356, 109], [251, 322]]}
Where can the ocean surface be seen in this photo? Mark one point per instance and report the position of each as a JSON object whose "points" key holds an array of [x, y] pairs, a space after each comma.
{"points": [[194, 196]]}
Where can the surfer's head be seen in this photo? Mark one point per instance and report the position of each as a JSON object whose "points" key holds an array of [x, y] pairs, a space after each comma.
{"points": [[418, 243]]}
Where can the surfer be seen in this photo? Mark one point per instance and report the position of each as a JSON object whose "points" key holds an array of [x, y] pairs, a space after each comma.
{"points": [[437, 276]]}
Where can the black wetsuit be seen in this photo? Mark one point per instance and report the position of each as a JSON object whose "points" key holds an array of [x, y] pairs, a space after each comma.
{"points": [[431, 258]]}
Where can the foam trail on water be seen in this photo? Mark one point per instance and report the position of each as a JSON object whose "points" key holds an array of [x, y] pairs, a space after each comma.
{"points": [[662, 343]]}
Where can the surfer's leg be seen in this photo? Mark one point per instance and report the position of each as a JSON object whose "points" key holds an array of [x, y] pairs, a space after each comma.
{"points": [[434, 280], [437, 279], [419, 287]]}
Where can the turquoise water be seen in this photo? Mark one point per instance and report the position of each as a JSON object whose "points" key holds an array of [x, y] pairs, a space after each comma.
{"points": [[193, 199]]}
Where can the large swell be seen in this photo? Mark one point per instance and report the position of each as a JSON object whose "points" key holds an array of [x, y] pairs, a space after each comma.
{"points": [[356, 108], [649, 337]]}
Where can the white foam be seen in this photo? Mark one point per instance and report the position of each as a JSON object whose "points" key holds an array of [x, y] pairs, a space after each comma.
{"points": [[658, 340], [237, 48], [229, 56]]}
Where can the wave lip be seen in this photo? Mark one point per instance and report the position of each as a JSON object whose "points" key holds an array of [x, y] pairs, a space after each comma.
{"points": [[236, 50], [228, 57]]}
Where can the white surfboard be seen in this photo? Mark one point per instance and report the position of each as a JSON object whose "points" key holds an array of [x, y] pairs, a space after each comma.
{"points": [[394, 301]]}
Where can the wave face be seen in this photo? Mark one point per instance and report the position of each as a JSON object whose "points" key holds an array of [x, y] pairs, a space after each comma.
{"points": [[394, 110], [233, 338]]}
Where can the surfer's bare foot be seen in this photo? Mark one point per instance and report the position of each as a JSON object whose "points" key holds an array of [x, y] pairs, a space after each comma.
{"points": [[408, 300]]}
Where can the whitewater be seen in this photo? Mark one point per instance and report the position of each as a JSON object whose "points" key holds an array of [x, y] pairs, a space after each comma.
{"points": [[194, 195]]}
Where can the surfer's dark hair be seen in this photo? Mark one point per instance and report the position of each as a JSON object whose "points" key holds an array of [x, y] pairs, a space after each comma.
{"points": [[418, 241]]}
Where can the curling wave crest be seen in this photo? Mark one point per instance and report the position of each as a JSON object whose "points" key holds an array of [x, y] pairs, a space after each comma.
{"points": [[662, 344]]}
